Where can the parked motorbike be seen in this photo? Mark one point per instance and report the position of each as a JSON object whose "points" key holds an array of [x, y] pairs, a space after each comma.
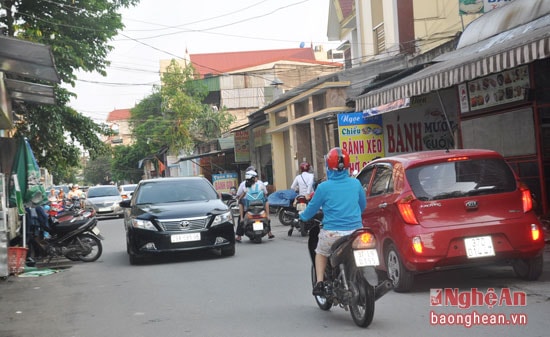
{"points": [[256, 221], [351, 280], [74, 236], [281, 203]]}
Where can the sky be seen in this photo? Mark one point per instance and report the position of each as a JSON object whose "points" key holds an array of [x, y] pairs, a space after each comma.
{"points": [[164, 29]]}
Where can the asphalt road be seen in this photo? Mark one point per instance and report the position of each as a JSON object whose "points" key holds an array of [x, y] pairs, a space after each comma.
{"points": [[264, 290]]}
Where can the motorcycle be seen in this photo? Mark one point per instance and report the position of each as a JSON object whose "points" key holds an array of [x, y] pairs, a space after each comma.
{"points": [[351, 280], [281, 203], [303, 227], [74, 236], [256, 221]]}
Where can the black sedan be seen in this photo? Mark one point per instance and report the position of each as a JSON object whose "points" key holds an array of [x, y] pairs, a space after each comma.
{"points": [[168, 215]]}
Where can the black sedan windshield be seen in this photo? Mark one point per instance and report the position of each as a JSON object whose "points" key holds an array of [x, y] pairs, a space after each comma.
{"points": [[174, 191]]}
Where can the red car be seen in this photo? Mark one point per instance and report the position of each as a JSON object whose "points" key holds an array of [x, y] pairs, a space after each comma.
{"points": [[442, 209]]}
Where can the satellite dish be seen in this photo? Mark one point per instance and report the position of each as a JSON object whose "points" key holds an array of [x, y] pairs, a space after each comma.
{"points": [[302, 44]]}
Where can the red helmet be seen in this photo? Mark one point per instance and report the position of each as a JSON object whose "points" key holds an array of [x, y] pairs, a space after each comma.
{"points": [[304, 167], [337, 159]]}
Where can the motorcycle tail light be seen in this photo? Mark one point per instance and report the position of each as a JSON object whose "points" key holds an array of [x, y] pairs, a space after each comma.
{"points": [[406, 211], [535, 232], [260, 215], [365, 240]]}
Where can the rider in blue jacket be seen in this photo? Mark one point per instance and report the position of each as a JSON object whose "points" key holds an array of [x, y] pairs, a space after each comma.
{"points": [[342, 199]]}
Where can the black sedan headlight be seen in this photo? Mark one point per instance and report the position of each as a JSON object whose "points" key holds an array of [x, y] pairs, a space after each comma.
{"points": [[143, 224], [221, 218]]}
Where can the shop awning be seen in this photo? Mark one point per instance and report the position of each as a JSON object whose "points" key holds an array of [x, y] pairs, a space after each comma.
{"points": [[27, 59], [515, 47]]}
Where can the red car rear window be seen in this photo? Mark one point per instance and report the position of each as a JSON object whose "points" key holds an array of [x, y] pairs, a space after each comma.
{"points": [[461, 178]]}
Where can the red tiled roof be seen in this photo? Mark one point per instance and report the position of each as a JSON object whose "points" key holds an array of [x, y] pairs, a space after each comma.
{"points": [[119, 114], [219, 63]]}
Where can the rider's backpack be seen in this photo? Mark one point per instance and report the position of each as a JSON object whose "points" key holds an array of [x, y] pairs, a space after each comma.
{"points": [[254, 195]]}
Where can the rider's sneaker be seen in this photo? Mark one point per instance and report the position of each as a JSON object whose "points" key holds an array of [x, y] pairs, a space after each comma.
{"points": [[319, 289]]}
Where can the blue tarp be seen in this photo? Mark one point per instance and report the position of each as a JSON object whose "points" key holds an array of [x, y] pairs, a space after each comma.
{"points": [[283, 198]]}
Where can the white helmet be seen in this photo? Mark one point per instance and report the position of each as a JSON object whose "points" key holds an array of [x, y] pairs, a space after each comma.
{"points": [[250, 174]]}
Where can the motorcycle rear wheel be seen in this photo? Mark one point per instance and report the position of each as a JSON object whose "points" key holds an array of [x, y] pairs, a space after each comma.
{"points": [[95, 243], [362, 302], [322, 302]]}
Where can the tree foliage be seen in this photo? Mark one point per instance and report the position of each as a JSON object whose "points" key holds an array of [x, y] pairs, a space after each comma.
{"points": [[78, 33], [98, 171], [188, 121], [125, 164], [173, 116]]}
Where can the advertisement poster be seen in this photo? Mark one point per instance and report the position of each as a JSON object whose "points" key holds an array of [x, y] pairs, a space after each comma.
{"points": [[362, 137], [224, 181], [501, 88], [242, 148]]}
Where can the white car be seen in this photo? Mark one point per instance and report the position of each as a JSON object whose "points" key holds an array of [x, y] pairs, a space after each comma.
{"points": [[126, 191]]}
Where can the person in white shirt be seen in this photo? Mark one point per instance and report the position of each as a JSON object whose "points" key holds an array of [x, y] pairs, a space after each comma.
{"points": [[303, 183]]}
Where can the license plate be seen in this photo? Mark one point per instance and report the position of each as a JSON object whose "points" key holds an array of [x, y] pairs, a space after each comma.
{"points": [[258, 226], [95, 230], [300, 206], [366, 257], [104, 209], [185, 237], [479, 247]]}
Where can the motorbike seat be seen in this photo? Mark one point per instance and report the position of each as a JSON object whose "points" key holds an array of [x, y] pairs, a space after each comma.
{"points": [[340, 241], [256, 207], [66, 226]]}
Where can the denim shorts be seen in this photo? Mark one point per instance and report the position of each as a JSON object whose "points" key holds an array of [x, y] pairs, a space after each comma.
{"points": [[327, 238]]}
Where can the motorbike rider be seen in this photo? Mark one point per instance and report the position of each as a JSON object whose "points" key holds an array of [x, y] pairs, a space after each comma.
{"points": [[342, 199], [250, 182], [303, 182], [75, 192]]}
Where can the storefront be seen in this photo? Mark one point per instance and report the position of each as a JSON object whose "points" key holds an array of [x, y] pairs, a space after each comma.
{"points": [[494, 93]]}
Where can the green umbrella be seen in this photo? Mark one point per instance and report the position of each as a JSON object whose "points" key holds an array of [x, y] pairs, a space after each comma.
{"points": [[25, 174]]}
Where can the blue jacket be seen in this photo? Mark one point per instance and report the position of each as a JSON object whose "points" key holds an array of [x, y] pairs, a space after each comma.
{"points": [[342, 199]]}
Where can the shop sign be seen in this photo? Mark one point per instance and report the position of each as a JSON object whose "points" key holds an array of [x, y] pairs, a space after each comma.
{"points": [[395, 105], [224, 181], [420, 128], [242, 148], [497, 89], [362, 137]]}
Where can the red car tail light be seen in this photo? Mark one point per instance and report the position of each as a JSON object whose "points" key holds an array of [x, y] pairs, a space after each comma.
{"points": [[535, 232], [406, 211], [526, 199]]}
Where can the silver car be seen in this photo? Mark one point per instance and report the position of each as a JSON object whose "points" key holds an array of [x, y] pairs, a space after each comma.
{"points": [[105, 201]]}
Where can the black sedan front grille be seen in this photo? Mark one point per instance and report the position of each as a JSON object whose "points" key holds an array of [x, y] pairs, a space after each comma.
{"points": [[178, 225]]}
